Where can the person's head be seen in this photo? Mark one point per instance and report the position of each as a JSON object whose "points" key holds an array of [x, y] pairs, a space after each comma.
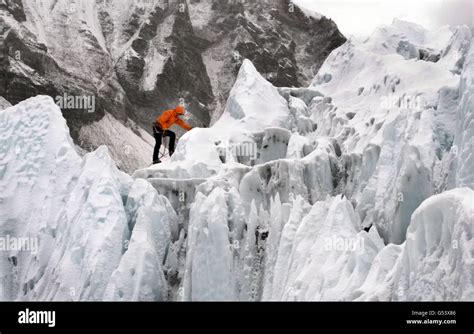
{"points": [[180, 110]]}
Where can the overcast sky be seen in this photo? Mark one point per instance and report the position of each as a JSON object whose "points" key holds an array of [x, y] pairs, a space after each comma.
{"points": [[360, 17]]}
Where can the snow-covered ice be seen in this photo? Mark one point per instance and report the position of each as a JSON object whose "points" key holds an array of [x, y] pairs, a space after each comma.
{"points": [[384, 124], [90, 220], [359, 187]]}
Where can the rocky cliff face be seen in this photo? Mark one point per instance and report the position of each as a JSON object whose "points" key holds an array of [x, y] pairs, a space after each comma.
{"points": [[137, 57]]}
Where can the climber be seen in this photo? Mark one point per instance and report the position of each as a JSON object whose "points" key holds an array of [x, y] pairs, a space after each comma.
{"points": [[161, 129]]}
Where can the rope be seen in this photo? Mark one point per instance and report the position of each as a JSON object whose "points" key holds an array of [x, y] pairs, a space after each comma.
{"points": [[165, 143]]}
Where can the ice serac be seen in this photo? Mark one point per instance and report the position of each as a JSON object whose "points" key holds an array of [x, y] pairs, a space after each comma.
{"points": [[209, 260], [342, 170], [90, 236], [464, 142], [437, 262], [82, 216], [253, 102], [37, 158], [378, 285], [140, 275], [329, 258], [394, 116]]}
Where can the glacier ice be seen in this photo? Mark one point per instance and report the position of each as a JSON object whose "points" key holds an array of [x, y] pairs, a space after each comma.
{"points": [[209, 257], [85, 214], [377, 135], [436, 263], [359, 187], [140, 275], [464, 143]]}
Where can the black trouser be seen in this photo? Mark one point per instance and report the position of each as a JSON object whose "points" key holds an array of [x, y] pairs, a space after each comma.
{"points": [[159, 134]]}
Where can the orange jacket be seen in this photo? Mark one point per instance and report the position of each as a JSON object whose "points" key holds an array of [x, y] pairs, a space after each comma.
{"points": [[171, 117]]}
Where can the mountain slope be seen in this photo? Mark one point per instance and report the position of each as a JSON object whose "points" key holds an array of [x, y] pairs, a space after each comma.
{"points": [[141, 57]]}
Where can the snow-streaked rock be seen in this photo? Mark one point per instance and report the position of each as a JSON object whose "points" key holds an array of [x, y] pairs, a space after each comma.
{"points": [[134, 57], [129, 145], [4, 104]]}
